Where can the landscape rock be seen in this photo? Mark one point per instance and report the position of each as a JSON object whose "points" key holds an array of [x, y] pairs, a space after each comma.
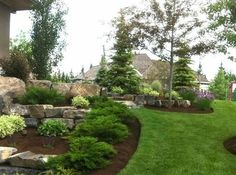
{"points": [[150, 100], [31, 122], [12, 87], [158, 103], [63, 88], [129, 97], [186, 103], [28, 159], [129, 104], [6, 152], [40, 83], [78, 113], [6, 102], [19, 109], [38, 111], [57, 111], [165, 103], [84, 90], [139, 99], [69, 122]]}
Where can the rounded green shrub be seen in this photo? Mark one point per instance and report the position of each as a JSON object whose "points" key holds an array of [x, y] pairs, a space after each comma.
{"points": [[105, 128], [175, 95], [10, 124], [36, 95], [156, 86], [80, 101], [117, 90], [52, 128], [86, 153]]}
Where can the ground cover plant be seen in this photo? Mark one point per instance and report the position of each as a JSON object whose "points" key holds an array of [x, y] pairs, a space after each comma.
{"points": [[10, 124], [180, 143], [80, 102], [36, 95], [90, 142]]}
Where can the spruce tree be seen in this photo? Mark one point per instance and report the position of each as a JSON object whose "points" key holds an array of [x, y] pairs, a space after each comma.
{"points": [[122, 73], [219, 86], [101, 77], [184, 77]]}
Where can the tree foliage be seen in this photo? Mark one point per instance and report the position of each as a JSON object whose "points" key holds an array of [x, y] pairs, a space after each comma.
{"points": [[121, 73], [184, 76], [223, 17], [101, 77], [219, 86], [48, 24], [166, 29]]}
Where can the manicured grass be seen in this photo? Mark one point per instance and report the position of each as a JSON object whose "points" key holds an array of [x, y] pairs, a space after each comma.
{"points": [[184, 144]]}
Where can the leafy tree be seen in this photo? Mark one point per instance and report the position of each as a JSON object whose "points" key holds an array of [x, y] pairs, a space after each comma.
{"points": [[48, 24], [101, 77], [167, 31], [219, 86], [122, 73], [230, 76], [184, 77], [223, 16]]}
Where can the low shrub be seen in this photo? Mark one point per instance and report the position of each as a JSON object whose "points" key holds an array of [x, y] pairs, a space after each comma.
{"points": [[52, 128], [204, 100], [175, 95], [60, 171], [94, 101], [117, 90], [118, 110], [36, 95], [86, 153], [80, 101], [10, 124], [156, 86], [16, 65], [105, 128], [188, 94], [149, 91]]}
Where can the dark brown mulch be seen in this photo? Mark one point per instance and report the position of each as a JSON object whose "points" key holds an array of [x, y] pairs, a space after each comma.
{"points": [[191, 109], [36, 143], [125, 151], [230, 145], [33, 142]]}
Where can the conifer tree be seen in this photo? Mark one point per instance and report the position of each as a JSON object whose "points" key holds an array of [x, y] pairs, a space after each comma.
{"points": [[122, 73], [101, 77], [219, 86], [184, 77]]}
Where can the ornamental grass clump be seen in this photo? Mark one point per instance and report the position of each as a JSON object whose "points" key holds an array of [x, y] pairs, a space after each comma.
{"points": [[10, 124], [204, 100]]}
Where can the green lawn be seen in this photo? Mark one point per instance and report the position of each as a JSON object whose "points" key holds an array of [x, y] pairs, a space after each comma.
{"points": [[184, 144]]}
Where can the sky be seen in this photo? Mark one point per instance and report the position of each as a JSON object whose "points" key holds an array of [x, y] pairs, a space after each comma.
{"points": [[87, 24]]}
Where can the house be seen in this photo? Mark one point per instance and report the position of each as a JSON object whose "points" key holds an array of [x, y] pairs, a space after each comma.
{"points": [[6, 8], [232, 89], [148, 69]]}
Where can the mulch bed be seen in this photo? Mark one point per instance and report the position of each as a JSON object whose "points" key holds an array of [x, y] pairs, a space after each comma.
{"points": [[191, 109], [125, 151], [230, 145], [34, 143]]}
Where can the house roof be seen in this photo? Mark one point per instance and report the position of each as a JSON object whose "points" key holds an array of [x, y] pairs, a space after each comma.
{"points": [[202, 78], [91, 73], [15, 5], [142, 62]]}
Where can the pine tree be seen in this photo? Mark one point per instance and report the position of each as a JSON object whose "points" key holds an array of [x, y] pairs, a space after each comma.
{"points": [[122, 73], [219, 85], [101, 77], [184, 77]]}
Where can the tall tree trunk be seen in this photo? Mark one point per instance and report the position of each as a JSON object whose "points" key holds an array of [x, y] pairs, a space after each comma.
{"points": [[171, 56]]}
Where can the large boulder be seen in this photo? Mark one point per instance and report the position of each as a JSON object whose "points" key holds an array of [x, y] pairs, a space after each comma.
{"points": [[84, 90], [63, 88], [38, 111], [40, 83], [28, 160], [12, 87], [77, 113], [57, 111], [19, 109], [6, 152]]}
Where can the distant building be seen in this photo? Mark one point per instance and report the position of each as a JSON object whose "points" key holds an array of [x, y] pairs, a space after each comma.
{"points": [[6, 8], [148, 69]]}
